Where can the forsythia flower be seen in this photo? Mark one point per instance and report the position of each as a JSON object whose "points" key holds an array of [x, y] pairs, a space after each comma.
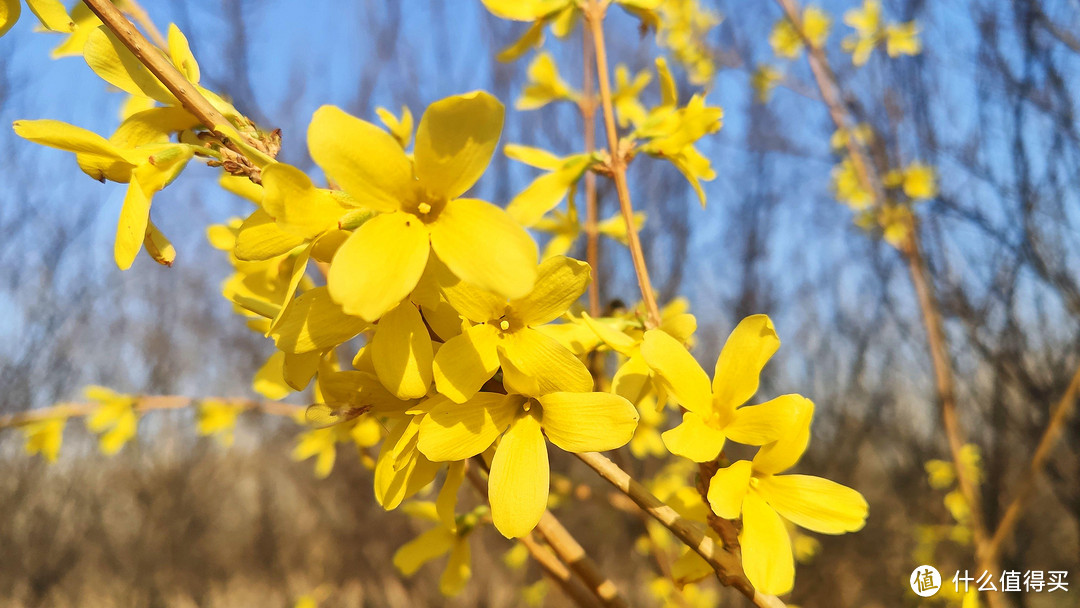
{"points": [[900, 39], [565, 228], [114, 419], [218, 418], [544, 85], [848, 188], [51, 14], [682, 28], [381, 262], [628, 107], [713, 415], [764, 80], [549, 189], [786, 40], [44, 437], [505, 336], [436, 542], [756, 491], [518, 482], [918, 181]]}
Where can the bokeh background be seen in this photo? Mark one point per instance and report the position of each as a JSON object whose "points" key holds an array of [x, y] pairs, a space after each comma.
{"points": [[176, 520]]}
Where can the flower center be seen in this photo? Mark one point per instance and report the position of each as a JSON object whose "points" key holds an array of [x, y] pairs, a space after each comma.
{"points": [[754, 482], [423, 208], [504, 325]]}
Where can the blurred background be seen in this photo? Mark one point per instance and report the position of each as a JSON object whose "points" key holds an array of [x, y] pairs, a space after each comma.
{"points": [[177, 520]]}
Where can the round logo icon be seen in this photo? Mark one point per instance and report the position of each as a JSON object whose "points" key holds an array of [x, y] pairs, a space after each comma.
{"points": [[925, 581]]}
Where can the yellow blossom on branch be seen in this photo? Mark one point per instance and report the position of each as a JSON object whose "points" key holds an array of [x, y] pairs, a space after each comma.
{"points": [[44, 437]]}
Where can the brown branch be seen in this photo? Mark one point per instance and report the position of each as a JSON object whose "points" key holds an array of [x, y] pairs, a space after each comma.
{"points": [[550, 563], [143, 404], [869, 178], [594, 13], [588, 117], [1038, 460], [138, 13], [178, 85], [726, 564]]}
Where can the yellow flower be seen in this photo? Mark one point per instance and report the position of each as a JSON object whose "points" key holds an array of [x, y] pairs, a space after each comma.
{"points": [[713, 414], [218, 418], [544, 85], [628, 107], [504, 336], [918, 181], [44, 437], [322, 444], [848, 187], [896, 222], [671, 132], [764, 80], [546, 191], [114, 418], [436, 542], [400, 128], [565, 229], [755, 490], [786, 40], [682, 28], [862, 134], [940, 474], [902, 39], [518, 482], [51, 14], [381, 262], [646, 440]]}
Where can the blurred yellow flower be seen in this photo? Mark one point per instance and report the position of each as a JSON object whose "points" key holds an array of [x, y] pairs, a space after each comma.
{"points": [[114, 418], [44, 437]]}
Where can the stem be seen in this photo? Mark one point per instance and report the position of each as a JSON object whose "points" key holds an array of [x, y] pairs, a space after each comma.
{"points": [[178, 85], [588, 116], [594, 18], [573, 555], [550, 563], [1042, 452], [142, 405], [725, 563], [138, 13], [870, 179]]}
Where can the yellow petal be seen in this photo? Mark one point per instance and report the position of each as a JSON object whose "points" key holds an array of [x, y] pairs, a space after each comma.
{"points": [[422, 549], [314, 322], [470, 301], [694, 439], [269, 381], [480, 244], [260, 238], [766, 548], [395, 481], [131, 229], [532, 38], [296, 204], [541, 195], [458, 569], [379, 264], [678, 371], [523, 10], [765, 423], [456, 431], [52, 14], [588, 422], [116, 65], [455, 140], [443, 320], [364, 160], [631, 380], [298, 370], [518, 482], [728, 488], [158, 245], [534, 157], [446, 503], [297, 274], [747, 350], [814, 503], [465, 362], [156, 126], [560, 281], [786, 451], [9, 14], [401, 351], [535, 364], [180, 53], [61, 135]]}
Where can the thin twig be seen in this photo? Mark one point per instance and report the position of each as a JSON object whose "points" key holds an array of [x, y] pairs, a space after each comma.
{"points": [[726, 564], [550, 563], [594, 13], [1038, 460], [184, 91], [138, 13], [870, 179], [588, 117], [143, 404]]}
